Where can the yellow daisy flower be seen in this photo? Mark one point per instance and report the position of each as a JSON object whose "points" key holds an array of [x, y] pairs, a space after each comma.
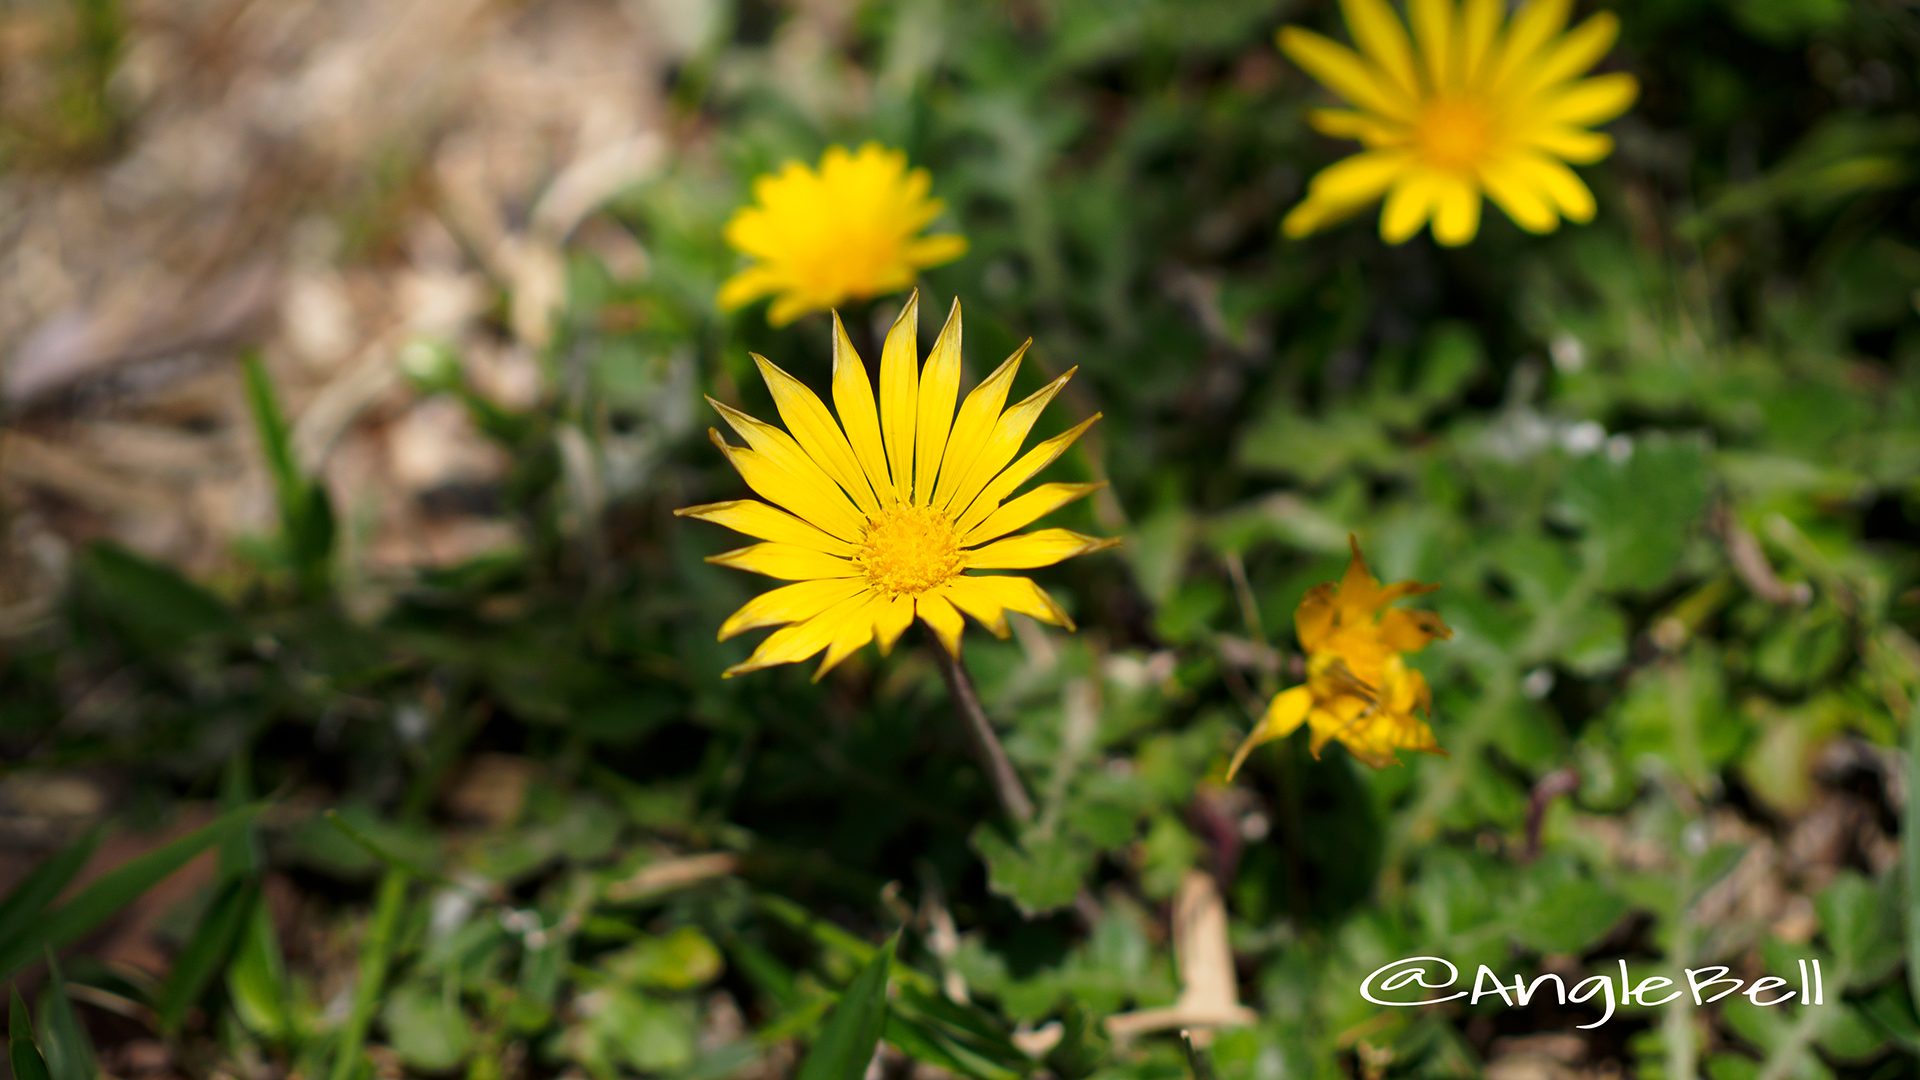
{"points": [[1467, 106], [849, 231], [1359, 689], [887, 511]]}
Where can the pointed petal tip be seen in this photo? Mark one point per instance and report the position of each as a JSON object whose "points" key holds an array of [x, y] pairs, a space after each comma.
{"points": [[910, 309]]}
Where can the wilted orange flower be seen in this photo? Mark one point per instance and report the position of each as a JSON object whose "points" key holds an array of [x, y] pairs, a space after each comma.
{"points": [[1359, 689]]}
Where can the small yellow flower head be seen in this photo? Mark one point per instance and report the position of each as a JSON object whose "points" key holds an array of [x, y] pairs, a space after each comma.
{"points": [[1359, 689], [1471, 104], [849, 231], [887, 509]]}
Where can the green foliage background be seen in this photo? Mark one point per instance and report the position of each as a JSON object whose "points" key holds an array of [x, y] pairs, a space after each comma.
{"points": [[1666, 468]]}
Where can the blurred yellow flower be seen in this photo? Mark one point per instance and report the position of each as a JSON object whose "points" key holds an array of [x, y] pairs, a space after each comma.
{"points": [[1467, 106], [1359, 689], [888, 509], [849, 231]]}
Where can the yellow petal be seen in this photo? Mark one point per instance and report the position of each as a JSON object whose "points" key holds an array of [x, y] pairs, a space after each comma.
{"points": [[1313, 619], [1479, 26], [900, 394], [1043, 548], [1589, 101], [939, 388], [1456, 213], [1359, 593], [1409, 205], [1360, 178], [936, 250], [1576, 145], [1026, 510], [1354, 124], [801, 640], [1571, 56], [808, 500], [1433, 29], [855, 629], [971, 426], [979, 603], [1507, 185], [1537, 23], [1003, 442], [1018, 473], [813, 428], [1315, 214], [1410, 631], [1561, 187], [1006, 592], [793, 305], [853, 400], [763, 522], [940, 615], [791, 604], [788, 562], [747, 286], [1341, 70], [891, 619], [1283, 716], [1383, 39]]}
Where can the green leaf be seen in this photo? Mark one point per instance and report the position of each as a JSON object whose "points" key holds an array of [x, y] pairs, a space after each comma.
{"points": [[219, 931], [930, 1045], [69, 1051], [28, 899], [256, 980], [852, 1030], [24, 1056], [681, 960], [154, 605], [929, 1027], [1042, 873], [1637, 507], [306, 515], [1569, 916], [1910, 851], [426, 1027], [1855, 922], [118, 888]]}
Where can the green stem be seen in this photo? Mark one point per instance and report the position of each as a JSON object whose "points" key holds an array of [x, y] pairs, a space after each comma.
{"points": [[985, 742], [375, 956]]}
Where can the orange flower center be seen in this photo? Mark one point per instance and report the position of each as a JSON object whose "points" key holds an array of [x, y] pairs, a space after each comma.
{"points": [[1454, 133], [909, 549]]}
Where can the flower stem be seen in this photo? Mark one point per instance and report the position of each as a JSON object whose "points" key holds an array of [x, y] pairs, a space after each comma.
{"points": [[986, 744]]}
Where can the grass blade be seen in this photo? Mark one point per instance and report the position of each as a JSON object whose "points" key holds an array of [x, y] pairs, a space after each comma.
{"points": [[115, 890], [1910, 849], [853, 1028], [306, 517], [257, 978], [212, 942], [375, 955], [25, 903], [69, 1052], [21, 1053]]}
